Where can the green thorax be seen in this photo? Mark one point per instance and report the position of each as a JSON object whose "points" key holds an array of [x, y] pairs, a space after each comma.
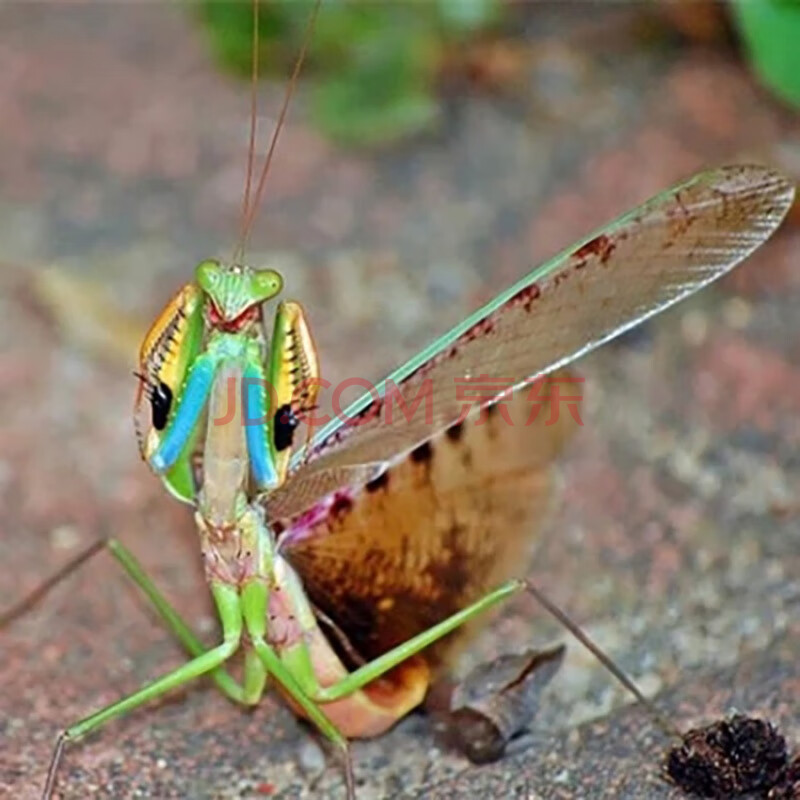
{"points": [[225, 452]]}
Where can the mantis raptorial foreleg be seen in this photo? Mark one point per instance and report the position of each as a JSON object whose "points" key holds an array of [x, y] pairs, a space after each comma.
{"points": [[299, 662], [177, 625], [229, 608]]}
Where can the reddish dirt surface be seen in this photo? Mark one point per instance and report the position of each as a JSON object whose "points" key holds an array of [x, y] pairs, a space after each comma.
{"points": [[676, 538]]}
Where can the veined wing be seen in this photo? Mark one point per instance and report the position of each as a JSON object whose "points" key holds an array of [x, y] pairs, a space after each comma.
{"points": [[436, 530], [631, 269]]}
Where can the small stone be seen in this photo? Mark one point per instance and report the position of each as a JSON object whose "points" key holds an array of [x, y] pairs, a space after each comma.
{"points": [[694, 327], [738, 313], [64, 537], [311, 757], [561, 777]]}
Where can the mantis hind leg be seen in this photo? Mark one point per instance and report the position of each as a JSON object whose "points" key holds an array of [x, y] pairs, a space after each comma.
{"points": [[374, 669], [254, 602], [273, 664], [298, 679], [32, 598], [360, 677], [174, 622], [228, 606]]}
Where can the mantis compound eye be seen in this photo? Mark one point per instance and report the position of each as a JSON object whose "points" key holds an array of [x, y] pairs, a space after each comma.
{"points": [[265, 283]]}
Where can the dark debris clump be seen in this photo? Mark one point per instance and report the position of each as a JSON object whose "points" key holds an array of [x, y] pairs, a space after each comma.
{"points": [[728, 758], [789, 786], [495, 702]]}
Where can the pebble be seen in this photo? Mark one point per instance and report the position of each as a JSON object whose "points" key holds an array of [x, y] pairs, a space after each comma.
{"points": [[311, 757], [64, 537]]}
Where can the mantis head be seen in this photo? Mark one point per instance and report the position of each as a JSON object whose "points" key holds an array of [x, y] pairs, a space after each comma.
{"points": [[235, 294]]}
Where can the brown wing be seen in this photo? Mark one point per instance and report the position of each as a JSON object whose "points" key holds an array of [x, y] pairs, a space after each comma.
{"points": [[438, 529]]}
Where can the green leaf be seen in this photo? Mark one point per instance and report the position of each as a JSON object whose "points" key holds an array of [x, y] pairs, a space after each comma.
{"points": [[467, 16], [770, 30], [342, 112], [375, 64]]}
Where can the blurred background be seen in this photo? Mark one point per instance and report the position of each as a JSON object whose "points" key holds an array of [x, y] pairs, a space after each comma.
{"points": [[434, 153]]}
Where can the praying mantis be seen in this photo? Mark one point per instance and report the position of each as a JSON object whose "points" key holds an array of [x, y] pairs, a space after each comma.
{"points": [[289, 532]]}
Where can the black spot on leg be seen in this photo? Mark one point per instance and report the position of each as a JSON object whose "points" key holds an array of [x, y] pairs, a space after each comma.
{"points": [[160, 404], [284, 426]]}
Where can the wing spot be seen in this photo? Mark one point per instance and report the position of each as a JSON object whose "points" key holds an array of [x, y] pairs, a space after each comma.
{"points": [[340, 506], [601, 246], [381, 482], [454, 432], [421, 453], [525, 297]]}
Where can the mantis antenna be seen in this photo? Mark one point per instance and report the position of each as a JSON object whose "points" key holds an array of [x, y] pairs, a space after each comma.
{"points": [[250, 209]]}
